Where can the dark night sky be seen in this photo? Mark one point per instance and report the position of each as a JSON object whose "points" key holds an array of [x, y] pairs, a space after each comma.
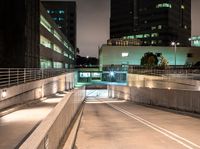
{"points": [[93, 24]]}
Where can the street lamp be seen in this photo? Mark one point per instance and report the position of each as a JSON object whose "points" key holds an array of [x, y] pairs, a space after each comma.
{"points": [[175, 44]]}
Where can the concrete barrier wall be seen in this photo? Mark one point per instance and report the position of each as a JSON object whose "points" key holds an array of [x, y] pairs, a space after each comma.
{"points": [[183, 100], [163, 82], [35, 90], [52, 129]]}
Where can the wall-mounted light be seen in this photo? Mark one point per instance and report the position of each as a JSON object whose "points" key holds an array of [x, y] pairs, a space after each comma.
{"points": [[4, 94], [169, 88], [125, 54], [199, 88]]}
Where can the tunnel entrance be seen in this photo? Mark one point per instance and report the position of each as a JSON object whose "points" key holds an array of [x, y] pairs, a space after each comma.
{"points": [[96, 91]]}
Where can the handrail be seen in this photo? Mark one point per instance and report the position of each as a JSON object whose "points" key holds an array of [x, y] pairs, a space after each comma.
{"points": [[15, 76]]}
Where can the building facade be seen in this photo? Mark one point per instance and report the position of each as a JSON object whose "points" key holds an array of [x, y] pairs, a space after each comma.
{"points": [[155, 22], [195, 41], [19, 34], [131, 55], [55, 49], [64, 14]]}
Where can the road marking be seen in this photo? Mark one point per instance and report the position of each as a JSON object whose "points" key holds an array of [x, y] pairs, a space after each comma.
{"points": [[186, 143]]}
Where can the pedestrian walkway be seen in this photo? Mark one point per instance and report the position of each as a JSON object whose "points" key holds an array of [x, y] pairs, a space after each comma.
{"points": [[17, 126]]}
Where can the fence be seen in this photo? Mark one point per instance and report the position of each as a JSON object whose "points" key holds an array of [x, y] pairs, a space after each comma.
{"points": [[15, 76], [168, 71]]}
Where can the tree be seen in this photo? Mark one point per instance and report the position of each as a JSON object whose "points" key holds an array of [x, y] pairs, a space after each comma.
{"points": [[149, 60], [163, 62]]}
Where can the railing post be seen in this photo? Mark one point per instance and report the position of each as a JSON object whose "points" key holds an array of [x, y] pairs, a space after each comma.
{"points": [[8, 76], [17, 76], [42, 73], [24, 75]]}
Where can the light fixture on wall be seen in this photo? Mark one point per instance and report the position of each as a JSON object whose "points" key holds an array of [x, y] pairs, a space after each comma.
{"points": [[4, 94]]}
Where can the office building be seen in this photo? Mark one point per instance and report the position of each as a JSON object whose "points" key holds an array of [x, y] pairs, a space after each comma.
{"points": [[131, 55], [195, 41], [19, 34], [64, 14], [155, 22], [124, 42], [55, 50]]}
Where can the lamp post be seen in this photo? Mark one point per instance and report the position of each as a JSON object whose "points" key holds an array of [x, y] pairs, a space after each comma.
{"points": [[175, 44]]}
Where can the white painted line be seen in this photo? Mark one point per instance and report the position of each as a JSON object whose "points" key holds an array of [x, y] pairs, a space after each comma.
{"points": [[186, 143]]}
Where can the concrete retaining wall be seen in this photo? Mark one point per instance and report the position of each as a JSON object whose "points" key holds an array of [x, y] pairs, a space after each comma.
{"points": [[184, 100], [35, 90], [52, 129], [163, 82]]}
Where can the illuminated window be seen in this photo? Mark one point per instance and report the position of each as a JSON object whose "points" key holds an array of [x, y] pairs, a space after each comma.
{"points": [[125, 54], [66, 54], [154, 35], [57, 36], [57, 49], [182, 7], [153, 27], [61, 11], [66, 65], [159, 26], [139, 36], [164, 5], [45, 23], [185, 27], [57, 65], [45, 42], [146, 35], [45, 63], [84, 75], [153, 42]]}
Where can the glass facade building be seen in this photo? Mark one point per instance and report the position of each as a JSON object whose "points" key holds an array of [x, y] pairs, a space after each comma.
{"points": [[154, 22], [195, 41]]}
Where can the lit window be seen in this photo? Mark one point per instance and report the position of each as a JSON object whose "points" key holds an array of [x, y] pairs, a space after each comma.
{"points": [[159, 26], [45, 23], [60, 19], [45, 63], [57, 49], [146, 35], [65, 54], [61, 11], [164, 5], [57, 36], [125, 54], [153, 27], [57, 65], [185, 27], [45, 42], [154, 35], [139, 36], [153, 42]]}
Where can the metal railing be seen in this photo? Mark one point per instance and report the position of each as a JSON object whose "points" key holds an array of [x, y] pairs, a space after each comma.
{"points": [[170, 70], [15, 76]]}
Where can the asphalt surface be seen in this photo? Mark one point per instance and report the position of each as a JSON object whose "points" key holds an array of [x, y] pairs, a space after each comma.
{"points": [[114, 124], [16, 127]]}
